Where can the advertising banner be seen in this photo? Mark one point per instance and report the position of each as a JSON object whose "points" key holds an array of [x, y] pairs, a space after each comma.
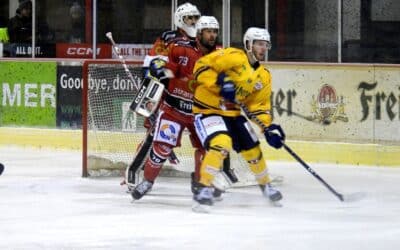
{"points": [[69, 97], [82, 50], [380, 101], [135, 52], [25, 50], [110, 93], [128, 118], [337, 103], [28, 94]]}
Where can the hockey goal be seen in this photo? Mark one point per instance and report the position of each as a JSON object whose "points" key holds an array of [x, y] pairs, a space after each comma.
{"points": [[111, 132]]}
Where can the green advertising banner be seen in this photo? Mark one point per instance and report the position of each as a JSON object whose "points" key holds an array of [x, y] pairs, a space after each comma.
{"points": [[28, 94]]}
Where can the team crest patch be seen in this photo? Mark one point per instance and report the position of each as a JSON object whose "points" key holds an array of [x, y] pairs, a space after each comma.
{"points": [[258, 86], [168, 132]]}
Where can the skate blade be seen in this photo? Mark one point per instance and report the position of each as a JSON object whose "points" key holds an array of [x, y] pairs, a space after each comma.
{"points": [[276, 203], [130, 189], [134, 199], [220, 198], [199, 208]]}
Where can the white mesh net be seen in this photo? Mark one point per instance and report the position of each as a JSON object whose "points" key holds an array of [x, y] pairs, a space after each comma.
{"points": [[114, 132]]}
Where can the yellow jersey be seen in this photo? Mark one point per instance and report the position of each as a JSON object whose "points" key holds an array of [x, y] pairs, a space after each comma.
{"points": [[252, 85]]}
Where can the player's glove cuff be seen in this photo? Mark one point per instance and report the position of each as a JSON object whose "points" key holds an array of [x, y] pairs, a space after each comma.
{"points": [[275, 136], [228, 91]]}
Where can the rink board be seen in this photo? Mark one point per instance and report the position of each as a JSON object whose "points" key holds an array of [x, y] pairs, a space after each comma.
{"points": [[310, 151]]}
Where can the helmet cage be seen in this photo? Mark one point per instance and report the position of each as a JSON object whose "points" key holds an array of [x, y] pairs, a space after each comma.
{"points": [[186, 9]]}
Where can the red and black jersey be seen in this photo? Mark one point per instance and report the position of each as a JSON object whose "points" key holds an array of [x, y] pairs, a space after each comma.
{"points": [[181, 60], [160, 46]]}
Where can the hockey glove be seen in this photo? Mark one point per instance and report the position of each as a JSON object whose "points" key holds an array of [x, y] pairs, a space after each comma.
{"points": [[227, 87], [157, 69], [275, 136]]}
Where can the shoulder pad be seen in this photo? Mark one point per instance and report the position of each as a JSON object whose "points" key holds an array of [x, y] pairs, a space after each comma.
{"points": [[234, 51], [186, 43], [170, 35]]}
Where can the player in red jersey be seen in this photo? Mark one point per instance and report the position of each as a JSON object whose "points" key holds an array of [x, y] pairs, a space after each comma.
{"points": [[175, 112], [186, 16]]}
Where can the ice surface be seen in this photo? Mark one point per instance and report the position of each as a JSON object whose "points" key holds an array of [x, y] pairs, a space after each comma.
{"points": [[45, 204]]}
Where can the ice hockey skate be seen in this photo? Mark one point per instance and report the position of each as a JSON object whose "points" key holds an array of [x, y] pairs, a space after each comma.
{"points": [[141, 189], [273, 195], [217, 194], [195, 187], [203, 200]]}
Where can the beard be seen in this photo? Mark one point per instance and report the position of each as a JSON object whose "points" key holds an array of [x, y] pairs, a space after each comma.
{"points": [[210, 45]]}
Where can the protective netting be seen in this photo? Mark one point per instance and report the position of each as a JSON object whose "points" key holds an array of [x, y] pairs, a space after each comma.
{"points": [[114, 132]]}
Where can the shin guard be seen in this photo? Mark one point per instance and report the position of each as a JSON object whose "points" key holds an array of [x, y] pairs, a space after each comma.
{"points": [[158, 155], [257, 165], [219, 148]]}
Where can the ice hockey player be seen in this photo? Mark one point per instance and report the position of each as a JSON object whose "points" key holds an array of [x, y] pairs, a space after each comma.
{"points": [[226, 78], [185, 18], [175, 112]]}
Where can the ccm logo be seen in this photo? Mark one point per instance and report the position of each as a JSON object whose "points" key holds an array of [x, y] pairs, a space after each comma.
{"points": [[82, 51], [140, 94]]}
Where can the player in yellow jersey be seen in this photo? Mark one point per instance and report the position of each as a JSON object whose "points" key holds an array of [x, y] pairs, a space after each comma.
{"points": [[226, 78]]}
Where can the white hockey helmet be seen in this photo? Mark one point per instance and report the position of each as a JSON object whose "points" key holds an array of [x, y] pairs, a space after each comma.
{"points": [[255, 34], [207, 22], [186, 9]]}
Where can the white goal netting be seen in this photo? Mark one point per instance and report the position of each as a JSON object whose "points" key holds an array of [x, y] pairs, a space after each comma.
{"points": [[112, 132]]}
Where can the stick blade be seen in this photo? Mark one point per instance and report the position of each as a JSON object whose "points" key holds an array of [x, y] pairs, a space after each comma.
{"points": [[354, 197]]}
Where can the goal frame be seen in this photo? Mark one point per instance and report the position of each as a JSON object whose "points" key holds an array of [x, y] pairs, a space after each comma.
{"points": [[122, 151], [85, 89]]}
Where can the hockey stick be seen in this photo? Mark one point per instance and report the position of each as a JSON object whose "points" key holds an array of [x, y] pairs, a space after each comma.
{"points": [[228, 171], [131, 175], [341, 197], [123, 62], [137, 163], [151, 90]]}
